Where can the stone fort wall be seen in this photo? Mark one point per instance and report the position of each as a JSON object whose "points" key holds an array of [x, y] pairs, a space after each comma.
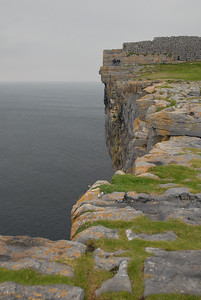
{"points": [[184, 48]]}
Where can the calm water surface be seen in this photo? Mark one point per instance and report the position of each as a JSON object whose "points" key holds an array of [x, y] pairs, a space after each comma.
{"points": [[51, 148]]}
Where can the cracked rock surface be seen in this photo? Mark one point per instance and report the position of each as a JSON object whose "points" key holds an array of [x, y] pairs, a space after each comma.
{"points": [[13, 291], [173, 272]]}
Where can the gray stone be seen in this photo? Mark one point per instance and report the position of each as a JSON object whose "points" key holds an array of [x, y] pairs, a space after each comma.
{"points": [[186, 48], [184, 206], [109, 263], [167, 236], [176, 191], [39, 254], [13, 291], [120, 282], [171, 272], [106, 254], [96, 232], [45, 267], [194, 91], [108, 260], [166, 185]]}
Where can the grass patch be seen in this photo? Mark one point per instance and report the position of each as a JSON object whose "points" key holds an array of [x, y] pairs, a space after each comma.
{"points": [[196, 163], [31, 277], [186, 71], [178, 174], [172, 103], [88, 278], [129, 182]]}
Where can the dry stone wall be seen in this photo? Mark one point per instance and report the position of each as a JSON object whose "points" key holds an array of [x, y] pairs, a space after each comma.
{"points": [[185, 48]]}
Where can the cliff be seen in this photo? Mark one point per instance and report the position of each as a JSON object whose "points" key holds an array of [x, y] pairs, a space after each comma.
{"points": [[141, 111], [137, 237]]}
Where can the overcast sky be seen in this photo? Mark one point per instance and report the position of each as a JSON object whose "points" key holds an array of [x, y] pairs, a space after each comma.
{"points": [[63, 40]]}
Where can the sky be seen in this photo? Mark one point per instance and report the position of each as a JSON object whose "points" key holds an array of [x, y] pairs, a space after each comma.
{"points": [[63, 40]]}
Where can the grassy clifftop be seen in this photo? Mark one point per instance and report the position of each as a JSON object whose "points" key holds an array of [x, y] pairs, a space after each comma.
{"points": [[184, 70]]}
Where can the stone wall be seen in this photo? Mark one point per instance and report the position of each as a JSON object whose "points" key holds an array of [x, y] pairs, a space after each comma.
{"points": [[184, 48], [160, 50]]}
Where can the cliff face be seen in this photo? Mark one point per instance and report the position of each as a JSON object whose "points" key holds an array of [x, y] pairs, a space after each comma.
{"points": [[139, 113]]}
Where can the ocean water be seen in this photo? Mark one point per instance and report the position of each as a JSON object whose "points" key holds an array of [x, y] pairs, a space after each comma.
{"points": [[51, 148]]}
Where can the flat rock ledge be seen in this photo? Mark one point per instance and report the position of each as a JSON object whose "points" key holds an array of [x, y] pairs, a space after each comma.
{"points": [[171, 272], [167, 236], [39, 254], [44, 267], [13, 291], [120, 282]]}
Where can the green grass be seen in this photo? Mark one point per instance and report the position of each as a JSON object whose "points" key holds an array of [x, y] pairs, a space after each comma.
{"points": [[87, 277], [196, 163], [192, 150], [186, 71], [125, 183], [172, 103], [178, 174]]}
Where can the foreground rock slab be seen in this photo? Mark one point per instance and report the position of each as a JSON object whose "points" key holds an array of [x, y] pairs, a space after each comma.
{"points": [[13, 291], [120, 282], [23, 252], [167, 236], [45, 267], [171, 272]]}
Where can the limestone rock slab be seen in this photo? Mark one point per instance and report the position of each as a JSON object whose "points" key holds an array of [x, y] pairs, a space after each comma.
{"points": [[167, 236], [108, 260], [39, 254], [13, 291], [20, 247], [176, 203], [96, 232], [120, 282], [171, 272], [114, 214], [45, 267]]}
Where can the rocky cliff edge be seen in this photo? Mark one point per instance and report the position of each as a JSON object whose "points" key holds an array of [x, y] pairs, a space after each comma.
{"points": [[137, 237]]}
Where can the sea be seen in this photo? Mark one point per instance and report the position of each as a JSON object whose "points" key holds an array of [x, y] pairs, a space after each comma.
{"points": [[52, 148]]}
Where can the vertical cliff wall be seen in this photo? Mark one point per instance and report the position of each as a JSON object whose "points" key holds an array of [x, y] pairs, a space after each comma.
{"points": [[139, 112]]}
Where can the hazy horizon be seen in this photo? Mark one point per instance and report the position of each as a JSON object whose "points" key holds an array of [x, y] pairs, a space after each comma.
{"points": [[61, 40]]}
